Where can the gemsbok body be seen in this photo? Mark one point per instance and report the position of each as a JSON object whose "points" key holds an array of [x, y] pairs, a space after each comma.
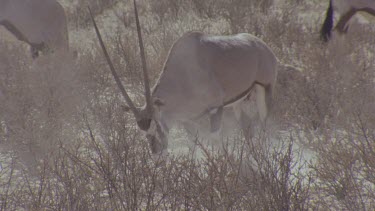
{"points": [[40, 23], [202, 75], [347, 9]]}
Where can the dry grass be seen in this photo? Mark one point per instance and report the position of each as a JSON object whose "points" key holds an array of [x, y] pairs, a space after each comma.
{"points": [[68, 144]]}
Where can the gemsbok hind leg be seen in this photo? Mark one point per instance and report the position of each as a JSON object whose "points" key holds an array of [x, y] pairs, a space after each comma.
{"points": [[216, 126], [261, 101], [258, 100], [244, 114], [245, 122]]}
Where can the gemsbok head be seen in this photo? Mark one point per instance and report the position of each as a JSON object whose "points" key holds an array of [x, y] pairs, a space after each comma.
{"points": [[202, 75], [347, 9], [40, 23]]}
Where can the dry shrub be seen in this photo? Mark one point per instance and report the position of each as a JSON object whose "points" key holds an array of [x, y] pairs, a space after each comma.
{"points": [[333, 103], [90, 156], [113, 170], [237, 12], [79, 16], [103, 163], [39, 102], [166, 9]]}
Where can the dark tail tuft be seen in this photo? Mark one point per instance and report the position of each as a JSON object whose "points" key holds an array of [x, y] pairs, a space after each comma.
{"points": [[325, 32]]}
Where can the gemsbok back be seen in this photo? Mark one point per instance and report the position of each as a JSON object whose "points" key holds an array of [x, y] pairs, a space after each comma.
{"points": [[40, 23], [202, 75], [347, 9]]}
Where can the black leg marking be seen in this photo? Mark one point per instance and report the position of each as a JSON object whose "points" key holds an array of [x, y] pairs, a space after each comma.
{"points": [[325, 32], [341, 26]]}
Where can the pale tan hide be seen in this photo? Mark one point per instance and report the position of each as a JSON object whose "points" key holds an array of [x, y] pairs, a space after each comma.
{"points": [[202, 75], [40, 23]]}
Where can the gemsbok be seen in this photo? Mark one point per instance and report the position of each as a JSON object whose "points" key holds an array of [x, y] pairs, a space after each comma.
{"points": [[347, 9], [40, 23], [202, 75]]}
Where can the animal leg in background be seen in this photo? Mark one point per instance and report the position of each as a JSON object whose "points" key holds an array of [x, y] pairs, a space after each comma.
{"points": [[341, 26], [325, 31]]}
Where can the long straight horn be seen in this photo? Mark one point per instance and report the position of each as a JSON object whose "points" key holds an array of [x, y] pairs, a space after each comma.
{"points": [[114, 73], [144, 65]]}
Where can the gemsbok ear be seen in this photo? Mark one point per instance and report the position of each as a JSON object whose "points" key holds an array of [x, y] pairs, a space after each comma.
{"points": [[158, 102]]}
